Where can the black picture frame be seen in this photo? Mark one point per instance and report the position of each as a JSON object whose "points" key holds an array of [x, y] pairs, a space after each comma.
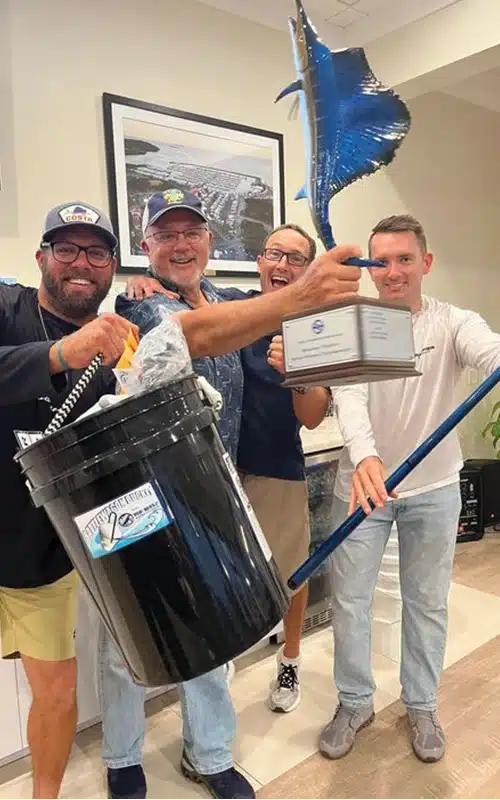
{"points": [[135, 174]]}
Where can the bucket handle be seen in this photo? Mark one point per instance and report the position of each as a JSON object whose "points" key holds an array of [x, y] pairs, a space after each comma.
{"points": [[75, 394]]}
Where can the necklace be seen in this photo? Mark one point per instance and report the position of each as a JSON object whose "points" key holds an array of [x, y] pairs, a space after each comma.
{"points": [[40, 316], [77, 389]]}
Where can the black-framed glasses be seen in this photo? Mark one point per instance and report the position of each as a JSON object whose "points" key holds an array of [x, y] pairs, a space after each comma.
{"points": [[67, 252], [191, 235], [294, 258]]}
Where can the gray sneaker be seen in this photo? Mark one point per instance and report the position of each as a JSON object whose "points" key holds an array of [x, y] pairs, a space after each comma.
{"points": [[427, 735], [337, 739]]}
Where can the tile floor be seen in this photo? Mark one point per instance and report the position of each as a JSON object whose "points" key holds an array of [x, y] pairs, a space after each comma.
{"points": [[268, 745]]}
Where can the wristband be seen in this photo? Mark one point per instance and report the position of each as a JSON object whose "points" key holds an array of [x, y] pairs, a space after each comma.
{"points": [[64, 364]]}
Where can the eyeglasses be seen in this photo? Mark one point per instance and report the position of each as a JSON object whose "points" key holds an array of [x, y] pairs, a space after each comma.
{"points": [[67, 253], [294, 259], [191, 235]]}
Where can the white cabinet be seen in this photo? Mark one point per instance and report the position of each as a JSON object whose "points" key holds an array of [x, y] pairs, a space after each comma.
{"points": [[86, 655], [86, 650], [10, 725], [24, 699]]}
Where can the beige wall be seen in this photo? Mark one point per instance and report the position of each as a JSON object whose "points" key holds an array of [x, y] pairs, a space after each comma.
{"points": [[8, 182], [185, 55], [188, 55], [447, 174]]}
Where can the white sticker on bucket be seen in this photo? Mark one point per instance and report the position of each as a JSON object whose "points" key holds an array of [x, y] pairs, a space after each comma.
{"points": [[254, 522], [27, 438], [123, 521]]}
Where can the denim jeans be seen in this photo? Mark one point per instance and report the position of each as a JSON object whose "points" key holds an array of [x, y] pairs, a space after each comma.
{"points": [[427, 532], [209, 723]]}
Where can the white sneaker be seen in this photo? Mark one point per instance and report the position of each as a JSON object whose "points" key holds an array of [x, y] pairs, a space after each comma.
{"points": [[284, 695]]}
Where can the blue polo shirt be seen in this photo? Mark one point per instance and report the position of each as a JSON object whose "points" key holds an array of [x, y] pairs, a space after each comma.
{"points": [[224, 372], [270, 442]]}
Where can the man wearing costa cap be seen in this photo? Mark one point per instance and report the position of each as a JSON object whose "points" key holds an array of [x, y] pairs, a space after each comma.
{"points": [[47, 337]]}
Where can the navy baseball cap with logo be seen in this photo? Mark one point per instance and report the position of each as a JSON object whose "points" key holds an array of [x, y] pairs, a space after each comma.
{"points": [[68, 215], [161, 202]]}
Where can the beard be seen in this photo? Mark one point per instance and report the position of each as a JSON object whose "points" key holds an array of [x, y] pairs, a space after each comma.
{"points": [[69, 303]]}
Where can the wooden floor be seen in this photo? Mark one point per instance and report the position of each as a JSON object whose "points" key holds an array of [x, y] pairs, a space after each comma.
{"points": [[477, 564], [382, 764]]}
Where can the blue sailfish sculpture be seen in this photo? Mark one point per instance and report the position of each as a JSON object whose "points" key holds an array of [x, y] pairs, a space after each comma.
{"points": [[353, 125]]}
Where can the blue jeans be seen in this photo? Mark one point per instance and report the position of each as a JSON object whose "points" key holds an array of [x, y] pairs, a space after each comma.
{"points": [[427, 532], [209, 722]]}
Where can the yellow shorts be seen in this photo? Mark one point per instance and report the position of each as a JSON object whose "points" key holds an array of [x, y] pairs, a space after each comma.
{"points": [[39, 622], [282, 509]]}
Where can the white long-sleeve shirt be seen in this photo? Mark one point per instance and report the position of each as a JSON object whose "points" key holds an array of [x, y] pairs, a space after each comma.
{"points": [[390, 419]]}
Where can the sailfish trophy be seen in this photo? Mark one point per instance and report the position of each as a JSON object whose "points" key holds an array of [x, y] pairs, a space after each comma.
{"points": [[353, 125]]}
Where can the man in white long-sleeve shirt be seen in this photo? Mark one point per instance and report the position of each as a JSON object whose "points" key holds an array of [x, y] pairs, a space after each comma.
{"points": [[382, 423]]}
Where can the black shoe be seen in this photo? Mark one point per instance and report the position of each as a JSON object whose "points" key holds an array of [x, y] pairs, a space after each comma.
{"points": [[230, 783], [127, 782]]}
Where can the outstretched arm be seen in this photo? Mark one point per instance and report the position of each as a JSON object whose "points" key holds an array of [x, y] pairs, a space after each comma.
{"points": [[221, 328]]}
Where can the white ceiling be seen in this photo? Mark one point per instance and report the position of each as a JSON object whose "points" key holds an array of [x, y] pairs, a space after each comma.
{"points": [[339, 22]]}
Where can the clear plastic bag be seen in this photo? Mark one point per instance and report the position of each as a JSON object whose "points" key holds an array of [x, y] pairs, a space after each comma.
{"points": [[162, 357]]}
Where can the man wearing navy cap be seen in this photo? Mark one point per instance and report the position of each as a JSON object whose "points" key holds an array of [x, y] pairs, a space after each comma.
{"points": [[180, 255]]}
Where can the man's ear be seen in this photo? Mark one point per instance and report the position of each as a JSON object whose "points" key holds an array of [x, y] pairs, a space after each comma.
{"points": [[39, 257]]}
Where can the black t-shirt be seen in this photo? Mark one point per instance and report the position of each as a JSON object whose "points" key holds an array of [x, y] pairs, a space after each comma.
{"points": [[269, 443], [31, 552]]}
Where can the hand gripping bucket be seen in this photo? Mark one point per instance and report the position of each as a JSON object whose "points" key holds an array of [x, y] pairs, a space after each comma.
{"points": [[150, 510]]}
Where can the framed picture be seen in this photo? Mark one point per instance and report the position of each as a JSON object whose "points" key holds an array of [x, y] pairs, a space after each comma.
{"points": [[237, 172]]}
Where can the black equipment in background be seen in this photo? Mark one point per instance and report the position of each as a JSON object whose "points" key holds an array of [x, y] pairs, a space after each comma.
{"points": [[480, 490]]}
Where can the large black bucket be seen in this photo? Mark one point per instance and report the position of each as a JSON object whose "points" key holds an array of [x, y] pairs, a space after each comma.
{"points": [[150, 510]]}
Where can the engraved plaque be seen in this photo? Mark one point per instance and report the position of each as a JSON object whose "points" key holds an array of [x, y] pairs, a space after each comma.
{"points": [[352, 342]]}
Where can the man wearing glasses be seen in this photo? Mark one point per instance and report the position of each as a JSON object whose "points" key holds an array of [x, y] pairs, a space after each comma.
{"points": [[177, 242], [47, 336], [270, 457]]}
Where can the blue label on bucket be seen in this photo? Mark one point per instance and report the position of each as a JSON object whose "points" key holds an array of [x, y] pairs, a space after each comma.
{"points": [[123, 521]]}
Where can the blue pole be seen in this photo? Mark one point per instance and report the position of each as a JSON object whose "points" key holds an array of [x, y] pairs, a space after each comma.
{"points": [[304, 572]]}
